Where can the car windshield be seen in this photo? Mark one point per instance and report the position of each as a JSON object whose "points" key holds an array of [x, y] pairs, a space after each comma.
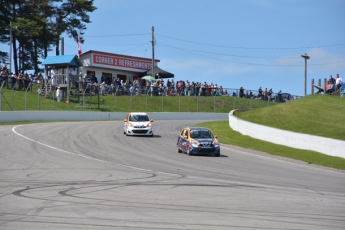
{"points": [[138, 117], [201, 134]]}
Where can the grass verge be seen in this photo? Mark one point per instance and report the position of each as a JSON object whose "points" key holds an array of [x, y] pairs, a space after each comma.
{"points": [[228, 136]]}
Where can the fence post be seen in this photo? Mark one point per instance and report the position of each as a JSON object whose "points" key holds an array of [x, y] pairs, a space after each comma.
{"points": [[163, 101], [197, 103], [2, 85], [115, 99], [26, 98], [324, 85], [12, 94], [38, 99], [53, 103], [179, 102], [214, 103], [234, 102], [130, 103], [312, 86], [83, 99]]}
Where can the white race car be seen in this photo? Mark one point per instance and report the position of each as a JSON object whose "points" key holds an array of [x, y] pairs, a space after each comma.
{"points": [[137, 123]]}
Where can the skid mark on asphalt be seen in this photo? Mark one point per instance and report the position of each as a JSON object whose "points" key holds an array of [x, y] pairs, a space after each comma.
{"points": [[168, 173]]}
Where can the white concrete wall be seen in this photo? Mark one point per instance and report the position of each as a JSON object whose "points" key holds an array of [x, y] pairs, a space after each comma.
{"points": [[8, 116], [323, 145]]}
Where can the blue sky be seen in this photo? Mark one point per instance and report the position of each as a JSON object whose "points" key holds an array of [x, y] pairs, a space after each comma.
{"points": [[248, 43]]}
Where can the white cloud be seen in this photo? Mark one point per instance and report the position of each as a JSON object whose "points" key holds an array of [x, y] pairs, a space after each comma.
{"points": [[326, 61]]}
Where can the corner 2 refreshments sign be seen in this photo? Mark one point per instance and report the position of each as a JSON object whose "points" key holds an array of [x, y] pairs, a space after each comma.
{"points": [[121, 62]]}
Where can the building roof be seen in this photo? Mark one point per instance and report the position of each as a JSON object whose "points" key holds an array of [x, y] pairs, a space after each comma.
{"points": [[71, 60]]}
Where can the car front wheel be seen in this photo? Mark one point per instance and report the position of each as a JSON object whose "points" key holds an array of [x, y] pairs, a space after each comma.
{"points": [[188, 152]]}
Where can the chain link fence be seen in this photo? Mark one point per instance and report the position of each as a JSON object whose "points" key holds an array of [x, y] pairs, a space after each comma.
{"points": [[16, 96]]}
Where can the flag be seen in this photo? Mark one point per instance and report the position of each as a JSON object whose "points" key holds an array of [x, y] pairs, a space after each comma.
{"points": [[79, 47]]}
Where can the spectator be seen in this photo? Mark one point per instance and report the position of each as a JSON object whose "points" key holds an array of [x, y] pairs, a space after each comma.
{"points": [[331, 79], [73, 72], [280, 96], [27, 81], [94, 79], [32, 79], [102, 79], [136, 85], [179, 86], [131, 89], [338, 82], [103, 88], [192, 88], [21, 81], [118, 85], [203, 89], [188, 88], [58, 94], [266, 94], [269, 94], [241, 92], [329, 87], [260, 96], [210, 90], [53, 72]]}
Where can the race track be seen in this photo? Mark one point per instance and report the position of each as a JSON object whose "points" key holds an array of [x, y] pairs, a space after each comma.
{"points": [[89, 175]]}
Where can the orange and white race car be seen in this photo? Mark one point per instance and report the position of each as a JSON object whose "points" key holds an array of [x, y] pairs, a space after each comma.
{"points": [[198, 141], [137, 123]]}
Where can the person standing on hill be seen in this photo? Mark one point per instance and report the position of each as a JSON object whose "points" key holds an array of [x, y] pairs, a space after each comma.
{"points": [[269, 94], [280, 96], [338, 82], [58, 94], [241, 92], [331, 79]]}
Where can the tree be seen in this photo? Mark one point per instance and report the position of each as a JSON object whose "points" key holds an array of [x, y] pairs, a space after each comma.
{"points": [[39, 25], [70, 17]]}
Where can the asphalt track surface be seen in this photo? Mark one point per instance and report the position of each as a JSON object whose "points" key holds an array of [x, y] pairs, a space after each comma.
{"points": [[89, 175]]}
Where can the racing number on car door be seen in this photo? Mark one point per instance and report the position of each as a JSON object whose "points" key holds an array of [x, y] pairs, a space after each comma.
{"points": [[184, 140]]}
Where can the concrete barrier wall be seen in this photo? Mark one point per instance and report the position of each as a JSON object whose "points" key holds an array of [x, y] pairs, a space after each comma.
{"points": [[323, 145], [6, 116]]}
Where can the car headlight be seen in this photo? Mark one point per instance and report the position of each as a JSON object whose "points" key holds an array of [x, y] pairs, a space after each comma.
{"points": [[194, 143], [215, 143]]}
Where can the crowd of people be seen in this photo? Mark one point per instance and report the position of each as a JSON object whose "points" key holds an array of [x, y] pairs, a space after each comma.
{"points": [[333, 85], [116, 86], [266, 95], [24, 81], [159, 88]]}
